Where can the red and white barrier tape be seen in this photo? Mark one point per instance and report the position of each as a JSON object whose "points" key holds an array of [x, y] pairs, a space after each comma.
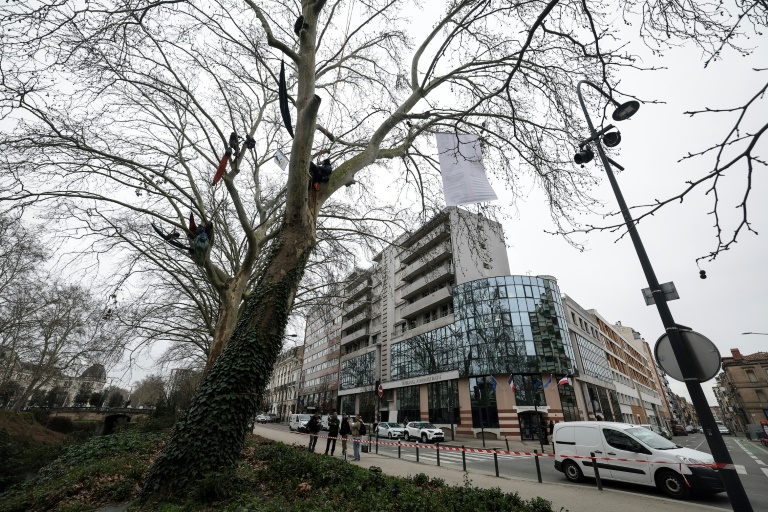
{"points": [[490, 451]]}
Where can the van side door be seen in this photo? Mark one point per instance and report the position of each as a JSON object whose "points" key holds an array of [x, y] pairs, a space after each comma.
{"points": [[588, 440], [619, 445]]}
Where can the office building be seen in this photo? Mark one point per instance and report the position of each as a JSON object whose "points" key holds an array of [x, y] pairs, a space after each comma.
{"points": [[742, 389]]}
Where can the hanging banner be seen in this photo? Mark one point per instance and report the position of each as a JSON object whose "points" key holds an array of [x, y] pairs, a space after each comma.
{"points": [[281, 159], [461, 165]]}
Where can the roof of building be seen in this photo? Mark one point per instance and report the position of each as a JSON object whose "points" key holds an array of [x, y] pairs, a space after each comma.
{"points": [[96, 372]]}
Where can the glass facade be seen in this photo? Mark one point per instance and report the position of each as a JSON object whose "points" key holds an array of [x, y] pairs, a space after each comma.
{"points": [[444, 401], [358, 371], [526, 391], [568, 403], [593, 359], [483, 399], [509, 324], [347, 405], [408, 404]]}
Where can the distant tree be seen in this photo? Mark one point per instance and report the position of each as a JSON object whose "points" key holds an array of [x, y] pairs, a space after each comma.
{"points": [[8, 392], [82, 396], [148, 391], [116, 398], [96, 399], [55, 397]]}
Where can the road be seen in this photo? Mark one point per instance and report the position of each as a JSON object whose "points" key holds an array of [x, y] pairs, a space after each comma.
{"points": [[751, 463]]}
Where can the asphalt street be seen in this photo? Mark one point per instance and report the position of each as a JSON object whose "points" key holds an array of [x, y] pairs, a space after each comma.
{"points": [[751, 463]]}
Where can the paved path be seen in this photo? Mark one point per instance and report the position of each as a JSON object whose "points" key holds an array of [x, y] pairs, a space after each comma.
{"points": [[574, 498]]}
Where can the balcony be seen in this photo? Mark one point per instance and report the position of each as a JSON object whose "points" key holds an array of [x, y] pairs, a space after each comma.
{"points": [[355, 335], [429, 280], [363, 316], [440, 297], [353, 307], [433, 257], [442, 232], [359, 290]]}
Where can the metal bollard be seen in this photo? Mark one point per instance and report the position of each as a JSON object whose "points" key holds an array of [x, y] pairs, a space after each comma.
{"points": [[538, 467], [496, 462], [597, 473], [507, 440], [438, 453], [417, 453], [463, 458], [398, 448], [377, 445]]}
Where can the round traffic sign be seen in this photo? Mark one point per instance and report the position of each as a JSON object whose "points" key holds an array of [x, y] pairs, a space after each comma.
{"points": [[381, 390], [705, 358]]}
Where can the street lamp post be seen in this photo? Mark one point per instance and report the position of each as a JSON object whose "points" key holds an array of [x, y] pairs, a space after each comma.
{"points": [[734, 488]]}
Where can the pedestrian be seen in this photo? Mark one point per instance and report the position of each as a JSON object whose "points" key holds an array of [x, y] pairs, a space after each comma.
{"points": [[551, 427], [344, 431], [333, 432], [313, 426], [355, 426]]}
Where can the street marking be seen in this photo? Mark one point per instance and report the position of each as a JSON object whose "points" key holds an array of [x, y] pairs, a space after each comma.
{"points": [[760, 462], [740, 469], [765, 470]]}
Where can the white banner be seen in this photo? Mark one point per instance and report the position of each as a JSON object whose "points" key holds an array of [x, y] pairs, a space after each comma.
{"points": [[461, 165], [281, 159]]}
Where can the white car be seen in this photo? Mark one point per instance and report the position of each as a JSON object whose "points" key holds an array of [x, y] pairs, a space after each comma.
{"points": [[722, 428], [390, 430], [263, 418], [423, 430]]}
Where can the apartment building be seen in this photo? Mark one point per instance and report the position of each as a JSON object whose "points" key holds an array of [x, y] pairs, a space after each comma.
{"points": [[593, 379], [319, 380], [282, 390], [442, 325], [742, 389]]}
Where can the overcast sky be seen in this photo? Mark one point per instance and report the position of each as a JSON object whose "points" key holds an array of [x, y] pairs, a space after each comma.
{"points": [[608, 276]]}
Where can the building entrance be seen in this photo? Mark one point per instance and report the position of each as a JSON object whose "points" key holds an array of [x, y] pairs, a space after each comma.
{"points": [[529, 425]]}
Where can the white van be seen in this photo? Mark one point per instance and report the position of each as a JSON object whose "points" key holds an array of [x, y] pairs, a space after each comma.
{"points": [[633, 442], [298, 422]]}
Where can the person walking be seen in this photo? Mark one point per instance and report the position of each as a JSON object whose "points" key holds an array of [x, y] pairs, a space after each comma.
{"points": [[333, 433], [551, 428], [355, 427], [344, 431], [313, 426]]}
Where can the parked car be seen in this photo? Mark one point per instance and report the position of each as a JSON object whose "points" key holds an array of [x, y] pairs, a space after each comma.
{"points": [[691, 429], [298, 422], [423, 430], [661, 431], [722, 428], [263, 418], [273, 418], [390, 430], [639, 456], [679, 430]]}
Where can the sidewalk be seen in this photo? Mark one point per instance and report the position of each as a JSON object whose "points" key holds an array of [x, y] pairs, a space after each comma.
{"points": [[573, 498]]}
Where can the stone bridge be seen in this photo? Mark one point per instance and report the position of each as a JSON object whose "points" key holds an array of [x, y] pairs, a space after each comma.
{"points": [[110, 416]]}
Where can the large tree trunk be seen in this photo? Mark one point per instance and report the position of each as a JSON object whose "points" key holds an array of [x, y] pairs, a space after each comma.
{"points": [[229, 311], [212, 433]]}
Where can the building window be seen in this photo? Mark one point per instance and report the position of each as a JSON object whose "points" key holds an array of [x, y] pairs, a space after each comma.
{"points": [[408, 404], [444, 401], [568, 402], [751, 375], [483, 398], [358, 371]]}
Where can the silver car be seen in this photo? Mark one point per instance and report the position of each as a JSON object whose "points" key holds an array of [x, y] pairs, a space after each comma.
{"points": [[390, 430]]}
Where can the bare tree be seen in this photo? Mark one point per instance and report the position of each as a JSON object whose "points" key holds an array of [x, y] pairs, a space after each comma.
{"points": [[148, 391], [152, 89]]}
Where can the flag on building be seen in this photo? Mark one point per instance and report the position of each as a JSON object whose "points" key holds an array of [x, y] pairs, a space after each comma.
{"points": [[462, 170], [548, 381], [511, 382], [565, 380], [537, 384], [494, 383]]}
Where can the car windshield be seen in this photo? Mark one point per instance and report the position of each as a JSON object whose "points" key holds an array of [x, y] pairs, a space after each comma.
{"points": [[651, 439], [425, 425], [392, 425], [304, 417]]}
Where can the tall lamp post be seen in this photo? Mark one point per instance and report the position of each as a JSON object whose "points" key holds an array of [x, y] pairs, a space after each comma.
{"points": [[682, 353]]}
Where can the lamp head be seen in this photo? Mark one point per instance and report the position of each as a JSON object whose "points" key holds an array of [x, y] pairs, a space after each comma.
{"points": [[612, 139], [626, 110], [583, 156]]}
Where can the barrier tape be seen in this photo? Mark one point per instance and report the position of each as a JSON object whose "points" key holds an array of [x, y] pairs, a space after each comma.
{"points": [[491, 451]]}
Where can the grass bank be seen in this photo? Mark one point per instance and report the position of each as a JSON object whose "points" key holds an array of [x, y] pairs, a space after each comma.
{"points": [[272, 477]]}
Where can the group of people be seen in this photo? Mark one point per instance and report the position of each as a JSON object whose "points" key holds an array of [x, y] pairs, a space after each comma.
{"points": [[348, 426]]}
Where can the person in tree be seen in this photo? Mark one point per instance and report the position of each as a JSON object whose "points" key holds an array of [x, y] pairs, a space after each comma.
{"points": [[313, 425], [344, 430], [333, 433]]}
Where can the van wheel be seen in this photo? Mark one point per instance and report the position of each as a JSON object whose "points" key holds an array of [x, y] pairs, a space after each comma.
{"points": [[673, 484], [572, 471], [290, 428]]}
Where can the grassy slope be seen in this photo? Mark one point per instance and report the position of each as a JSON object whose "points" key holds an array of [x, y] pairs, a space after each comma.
{"points": [[23, 427], [272, 477]]}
